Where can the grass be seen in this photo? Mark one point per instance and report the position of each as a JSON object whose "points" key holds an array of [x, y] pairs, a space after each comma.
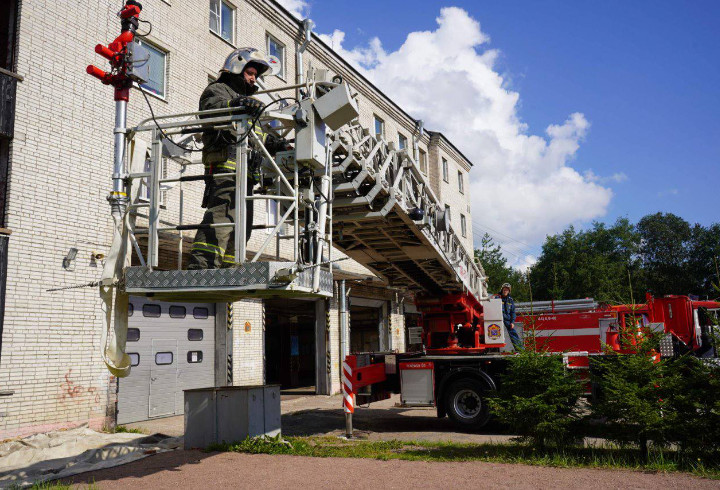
{"points": [[121, 429], [53, 485], [609, 457]]}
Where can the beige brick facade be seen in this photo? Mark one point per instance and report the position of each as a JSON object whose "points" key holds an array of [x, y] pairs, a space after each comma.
{"points": [[61, 163]]}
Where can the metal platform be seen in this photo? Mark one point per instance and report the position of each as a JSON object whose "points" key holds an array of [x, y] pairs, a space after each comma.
{"points": [[250, 280]]}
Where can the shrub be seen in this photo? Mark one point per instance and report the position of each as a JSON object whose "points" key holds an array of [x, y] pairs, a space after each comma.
{"points": [[537, 399], [693, 406], [632, 393]]}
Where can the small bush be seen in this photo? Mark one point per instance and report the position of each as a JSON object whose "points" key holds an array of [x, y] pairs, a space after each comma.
{"points": [[633, 390], [537, 399], [693, 407]]}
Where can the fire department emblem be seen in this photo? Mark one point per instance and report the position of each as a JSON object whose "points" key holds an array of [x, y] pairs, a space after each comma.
{"points": [[494, 332]]}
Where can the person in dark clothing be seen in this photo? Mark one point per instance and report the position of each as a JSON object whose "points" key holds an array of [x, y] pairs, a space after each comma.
{"points": [[214, 247], [508, 309]]}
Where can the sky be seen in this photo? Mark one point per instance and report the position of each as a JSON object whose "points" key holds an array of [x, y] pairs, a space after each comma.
{"points": [[570, 111]]}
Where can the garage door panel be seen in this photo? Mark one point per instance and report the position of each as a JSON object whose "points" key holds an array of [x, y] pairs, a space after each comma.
{"points": [[140, 396]]}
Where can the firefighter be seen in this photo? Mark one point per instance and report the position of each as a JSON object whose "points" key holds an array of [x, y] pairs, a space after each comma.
{"points": [[508, 308], [214, 247]]}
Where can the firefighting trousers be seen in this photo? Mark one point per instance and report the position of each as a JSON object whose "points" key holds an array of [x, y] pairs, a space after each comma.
{"points": [[215, 247]]}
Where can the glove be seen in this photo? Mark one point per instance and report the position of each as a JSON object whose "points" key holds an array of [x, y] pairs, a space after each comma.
{"points": [[252, 106]]}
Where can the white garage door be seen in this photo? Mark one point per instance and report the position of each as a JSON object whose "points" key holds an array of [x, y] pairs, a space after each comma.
{"points": [[172, 348]]}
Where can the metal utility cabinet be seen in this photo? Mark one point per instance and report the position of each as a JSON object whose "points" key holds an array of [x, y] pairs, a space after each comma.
{"points": [[230, 414]]}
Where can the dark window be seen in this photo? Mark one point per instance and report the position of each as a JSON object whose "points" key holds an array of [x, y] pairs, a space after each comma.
{"points": [[200, 313], [177, 311], [163, 358], [131, 309], [133, 334], [8, 34], [195, 334], [194, 356], [134, 358], [152, 311]]}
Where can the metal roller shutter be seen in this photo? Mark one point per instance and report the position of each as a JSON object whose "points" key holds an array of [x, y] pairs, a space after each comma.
{"points": [[173, 347]]}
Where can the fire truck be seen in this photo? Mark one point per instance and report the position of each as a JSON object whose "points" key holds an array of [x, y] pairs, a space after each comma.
{"points": [[457, 367]]}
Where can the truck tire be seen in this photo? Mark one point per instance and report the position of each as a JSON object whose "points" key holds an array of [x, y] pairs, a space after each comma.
{"points": [[465, 404]]}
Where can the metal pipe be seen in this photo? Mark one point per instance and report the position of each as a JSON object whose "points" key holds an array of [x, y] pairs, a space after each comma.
{"points": [[241, 177], [119, 156], [307, 25], [343, 321], [348, 425]]}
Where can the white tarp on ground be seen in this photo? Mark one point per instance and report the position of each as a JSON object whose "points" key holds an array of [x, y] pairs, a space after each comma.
{"points": [[65, 453]]}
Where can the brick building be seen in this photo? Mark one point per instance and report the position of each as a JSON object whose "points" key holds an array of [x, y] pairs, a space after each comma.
{"points": [[55, 169]]}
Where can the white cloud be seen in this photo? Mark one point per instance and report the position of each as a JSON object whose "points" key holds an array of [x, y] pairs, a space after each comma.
{"points": [[522, 184], [617, 177], [668, 193], [299, 8]]}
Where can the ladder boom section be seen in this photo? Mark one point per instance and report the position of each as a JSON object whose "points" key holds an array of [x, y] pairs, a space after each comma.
{"points": [[386, 216]]}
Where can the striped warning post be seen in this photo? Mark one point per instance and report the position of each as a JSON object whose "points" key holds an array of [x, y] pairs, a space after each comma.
{"points": [[347, 386]]}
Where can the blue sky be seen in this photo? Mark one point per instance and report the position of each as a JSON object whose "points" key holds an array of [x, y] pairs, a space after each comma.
{"points": [[644, 77]]}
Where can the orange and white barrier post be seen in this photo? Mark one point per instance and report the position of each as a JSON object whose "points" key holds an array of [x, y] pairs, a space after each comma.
{"points": [[348, 394]]}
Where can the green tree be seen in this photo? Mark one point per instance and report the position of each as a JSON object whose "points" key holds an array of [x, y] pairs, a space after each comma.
{"points": [[538, 399], [499, 272], [633, 390], [665, 253], [703, 259], [593, 263]]}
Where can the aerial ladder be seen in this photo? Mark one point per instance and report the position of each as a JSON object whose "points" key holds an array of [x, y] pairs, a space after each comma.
{"points": [[340, 187]]}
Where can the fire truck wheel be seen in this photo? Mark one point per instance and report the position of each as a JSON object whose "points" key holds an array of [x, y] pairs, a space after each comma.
{"points": [[465, 404]]}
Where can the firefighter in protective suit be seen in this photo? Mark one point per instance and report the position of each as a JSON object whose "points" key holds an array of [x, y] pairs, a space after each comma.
{"points": [[214, 247]]}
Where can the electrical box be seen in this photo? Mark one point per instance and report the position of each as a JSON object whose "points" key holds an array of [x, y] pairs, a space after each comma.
{"points": [[493, 315], [310, 138], [230, 414], [337, 107], [417, 383], [139, 69]]}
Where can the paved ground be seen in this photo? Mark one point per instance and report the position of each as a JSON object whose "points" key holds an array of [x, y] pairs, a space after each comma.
{"points": [[195, 469], [323, 415]]}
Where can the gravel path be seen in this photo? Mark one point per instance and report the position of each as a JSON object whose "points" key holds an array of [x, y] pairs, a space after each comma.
{"points": [[194, 469]]}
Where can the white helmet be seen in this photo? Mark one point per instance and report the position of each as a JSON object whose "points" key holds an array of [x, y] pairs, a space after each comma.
{"points": [[236, 62]]}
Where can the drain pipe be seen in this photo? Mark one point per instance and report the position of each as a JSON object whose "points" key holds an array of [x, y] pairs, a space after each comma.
{"points": [[307, 25], [343, 322]]}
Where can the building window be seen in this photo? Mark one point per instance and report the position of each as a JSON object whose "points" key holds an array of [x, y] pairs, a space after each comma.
{"points": [[200, 313], [177, 311], [447, 213], [157, 61], [402, 142], [133, 334], [277, 49], [423, 162], [151, 311], [461, 183], [446, 177], [379, 127], [134, 358], [163, 358], [222, 20], [463, 225], [194, 356], [195, 334], [131, 309]]}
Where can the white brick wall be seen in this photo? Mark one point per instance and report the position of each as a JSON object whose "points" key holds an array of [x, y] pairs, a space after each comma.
{"points": [[61, 168]]}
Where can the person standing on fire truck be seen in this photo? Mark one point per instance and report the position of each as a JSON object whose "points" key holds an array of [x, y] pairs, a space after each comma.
{"points": [[214, 247], [509, 316]]}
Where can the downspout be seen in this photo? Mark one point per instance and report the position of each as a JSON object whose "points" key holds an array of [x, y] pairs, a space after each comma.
{"points": [[343, 322], [307, 25]]}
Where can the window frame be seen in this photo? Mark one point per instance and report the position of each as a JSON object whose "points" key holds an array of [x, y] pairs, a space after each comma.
{"points": [[422, 162], [463, 225], [172, 358], [461, 182], [401, 138], [269, 37], [145, 44], [233, 11], [377, 119], [445, 170]]}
